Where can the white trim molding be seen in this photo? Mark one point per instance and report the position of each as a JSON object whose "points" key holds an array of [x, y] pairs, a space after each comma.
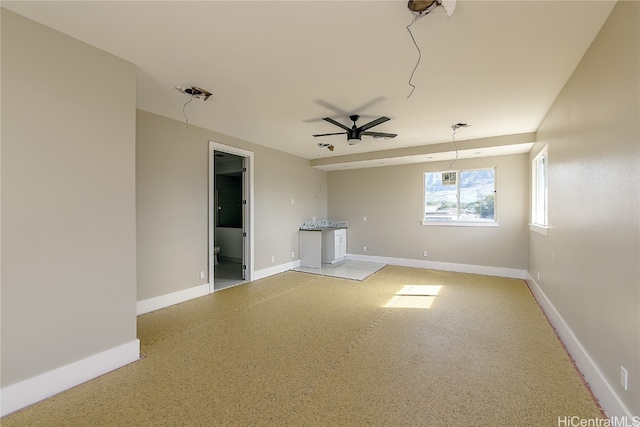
{"points": [[458, 223], [540, 229], [167, 300], [513, 273], [601, 388], [248, 211], [19, 395], [276, 269], [156, 303]]}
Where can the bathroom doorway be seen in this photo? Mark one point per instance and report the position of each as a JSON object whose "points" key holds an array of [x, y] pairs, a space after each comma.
{"points": [[230, 217]]}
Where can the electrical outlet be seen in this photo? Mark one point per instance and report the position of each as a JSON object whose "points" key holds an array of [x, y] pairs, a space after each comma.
{"points": [[273, 258], [624, 377], [364, 249], [292, 201], [364, 218], [425, 253], [538, 275], [293, 254], [202, 274]]}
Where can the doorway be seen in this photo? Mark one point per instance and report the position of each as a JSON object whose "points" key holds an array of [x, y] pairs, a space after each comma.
{"points": [[230, 216]]}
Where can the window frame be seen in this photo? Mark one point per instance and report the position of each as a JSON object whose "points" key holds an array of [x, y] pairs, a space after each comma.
{"points": [[462, 222], [540, 219]]}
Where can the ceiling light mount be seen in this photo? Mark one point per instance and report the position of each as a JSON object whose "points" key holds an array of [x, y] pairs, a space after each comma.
{"points": [[194, 92], [322, 145], [421, 8], [459, 125]]}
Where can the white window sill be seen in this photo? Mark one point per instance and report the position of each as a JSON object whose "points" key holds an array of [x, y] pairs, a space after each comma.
{"points": [[462, 223], [540, 229]]}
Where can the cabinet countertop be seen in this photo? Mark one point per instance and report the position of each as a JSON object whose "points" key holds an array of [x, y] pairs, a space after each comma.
{"points": [[323, 228]]}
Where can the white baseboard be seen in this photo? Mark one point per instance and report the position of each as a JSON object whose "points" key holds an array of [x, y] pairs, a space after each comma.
{"points": [[162, 301], [276, 269], [156, 303], [19, 395], [600, 386], [444, 266]]}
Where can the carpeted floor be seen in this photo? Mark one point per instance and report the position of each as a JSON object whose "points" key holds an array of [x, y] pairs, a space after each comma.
{"points": [[405, 347]]}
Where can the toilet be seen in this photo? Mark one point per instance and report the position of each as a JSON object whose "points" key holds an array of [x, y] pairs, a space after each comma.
{"points": [[216, 251]]}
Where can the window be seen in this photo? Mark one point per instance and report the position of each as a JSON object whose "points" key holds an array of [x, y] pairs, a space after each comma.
{"points": [[540, 191], [460, 197]]}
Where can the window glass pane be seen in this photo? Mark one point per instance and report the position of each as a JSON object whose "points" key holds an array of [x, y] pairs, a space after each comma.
{"points": [[540, 190], [477, 195], [441, 199]]}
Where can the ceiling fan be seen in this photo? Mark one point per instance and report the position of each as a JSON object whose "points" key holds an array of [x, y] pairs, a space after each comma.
{"points": [[354, 133]]}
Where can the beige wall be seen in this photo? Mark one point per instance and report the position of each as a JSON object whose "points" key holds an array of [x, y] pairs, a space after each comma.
{"points": [[392, 197], [172, 203], [589, 262], [68, 200]]}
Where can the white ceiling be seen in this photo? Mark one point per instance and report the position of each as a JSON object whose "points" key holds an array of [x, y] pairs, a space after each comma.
{"points": [[276, 68]]}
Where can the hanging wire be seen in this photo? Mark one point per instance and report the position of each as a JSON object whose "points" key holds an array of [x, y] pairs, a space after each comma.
{"points": [[453, 137], [183, 107], [413, 87]]}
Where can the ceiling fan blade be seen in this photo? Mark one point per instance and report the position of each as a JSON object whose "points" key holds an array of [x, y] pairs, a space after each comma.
{"points": [[373, 123], [380, 134], [327, 134], [330, 120]]}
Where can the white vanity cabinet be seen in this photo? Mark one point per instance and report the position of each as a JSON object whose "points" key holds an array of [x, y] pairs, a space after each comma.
{"points": [[334, 245], [322, 245], [311, 248]]}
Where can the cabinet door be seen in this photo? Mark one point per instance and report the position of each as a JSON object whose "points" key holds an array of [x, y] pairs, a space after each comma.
{"points": [[310, 249], [344, 245], [341, 246], [328, 246], [336, 249]]}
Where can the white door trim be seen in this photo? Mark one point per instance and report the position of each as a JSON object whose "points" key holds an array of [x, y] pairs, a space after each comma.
{"points": [[249, 240]]}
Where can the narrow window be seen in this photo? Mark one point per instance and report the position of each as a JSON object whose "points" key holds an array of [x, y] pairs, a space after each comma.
{"points": [[540, 189], [457, 197]]}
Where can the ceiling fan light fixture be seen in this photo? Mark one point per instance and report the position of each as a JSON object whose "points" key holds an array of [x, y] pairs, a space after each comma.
{"points": [[355, 132]]}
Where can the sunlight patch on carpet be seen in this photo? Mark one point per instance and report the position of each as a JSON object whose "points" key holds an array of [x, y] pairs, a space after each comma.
{"points": [[414, 296]]}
